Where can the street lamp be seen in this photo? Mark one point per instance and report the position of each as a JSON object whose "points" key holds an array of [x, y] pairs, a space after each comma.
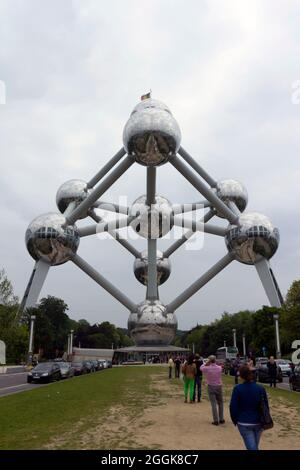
{"points": [[30, 349], [68, 347], [278, 351], [224, 343], [234, 337], [71, 341], [244, 345]]}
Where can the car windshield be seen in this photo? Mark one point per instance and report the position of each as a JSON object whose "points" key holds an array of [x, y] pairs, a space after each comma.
{"points": [[45, 366], [64, 365], [281, 361]]}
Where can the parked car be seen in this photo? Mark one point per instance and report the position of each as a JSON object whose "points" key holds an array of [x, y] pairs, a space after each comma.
{"points": [[295, 379], [264, 376], [79, 368], [104, 363], [100, 364], [109, 364], [285, 366], [89, 366], [66, 370], [95, 364], [44, 372]]}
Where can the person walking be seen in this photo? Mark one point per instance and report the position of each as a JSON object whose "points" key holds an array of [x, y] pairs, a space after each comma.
{"points": [[272, 368], [198, 378], [177, 367], [213, 374], [236, 366], [245, 408], [171, 367], [189, 372]]}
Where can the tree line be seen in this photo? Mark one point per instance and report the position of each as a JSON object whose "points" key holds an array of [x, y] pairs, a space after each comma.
{"points": [[51, 328], [257, 326], [53, 324]]}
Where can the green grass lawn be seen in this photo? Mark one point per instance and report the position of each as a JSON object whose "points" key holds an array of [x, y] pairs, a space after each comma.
{"points": [[33, 419], [28, 420]]}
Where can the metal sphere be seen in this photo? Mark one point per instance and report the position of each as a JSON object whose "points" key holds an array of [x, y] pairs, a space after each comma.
{"points": [[232, 191], [154, 222], [163, 265], [152, 324], [49, 240], [254, 238], [71, 191], [151, 134]]}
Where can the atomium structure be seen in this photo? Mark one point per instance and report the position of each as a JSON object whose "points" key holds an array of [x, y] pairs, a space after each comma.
{"points": [[151, 138]]}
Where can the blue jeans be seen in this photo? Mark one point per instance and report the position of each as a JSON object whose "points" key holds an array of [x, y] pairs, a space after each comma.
{"points": [[251, 435]]}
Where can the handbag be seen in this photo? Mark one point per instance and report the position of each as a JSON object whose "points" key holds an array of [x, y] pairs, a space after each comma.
{"points": [[265, 416]]}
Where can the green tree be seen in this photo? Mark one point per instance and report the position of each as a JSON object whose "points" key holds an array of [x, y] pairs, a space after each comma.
{"points": [[293, 296], [7, 296]]}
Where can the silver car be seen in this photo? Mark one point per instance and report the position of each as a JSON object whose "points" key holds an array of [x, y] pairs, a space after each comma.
{"points": [[66, 370], [285, 366]]}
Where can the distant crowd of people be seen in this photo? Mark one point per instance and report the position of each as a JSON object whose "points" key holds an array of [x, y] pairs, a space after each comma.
{"points": [[249, 407]]}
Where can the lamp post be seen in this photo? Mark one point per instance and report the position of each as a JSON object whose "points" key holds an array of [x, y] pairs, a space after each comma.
{"points": [[30, 349], [234, 337], [71, 341], [276, 320], [68, 347], [224, 343], [244, 345]]}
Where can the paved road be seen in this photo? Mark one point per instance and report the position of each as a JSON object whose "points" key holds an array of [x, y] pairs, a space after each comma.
{"points": [[14, 383], [285, 385]]}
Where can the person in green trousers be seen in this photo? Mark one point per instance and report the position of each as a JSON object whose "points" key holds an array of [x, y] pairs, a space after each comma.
{"points": [[189, 373]]}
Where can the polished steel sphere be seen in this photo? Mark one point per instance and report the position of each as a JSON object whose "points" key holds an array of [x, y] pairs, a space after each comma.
{"points": [[232, 191], [163, 265], [154, 222], [152, 325], [71, 191], [253, 238], [151, 134], [49, 240]]}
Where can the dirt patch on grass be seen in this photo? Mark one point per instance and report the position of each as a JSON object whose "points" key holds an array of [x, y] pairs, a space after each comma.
{"points": [[161, 420]]}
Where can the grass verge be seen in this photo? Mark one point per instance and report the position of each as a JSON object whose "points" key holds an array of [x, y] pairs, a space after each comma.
{"points": [[29, 420]]}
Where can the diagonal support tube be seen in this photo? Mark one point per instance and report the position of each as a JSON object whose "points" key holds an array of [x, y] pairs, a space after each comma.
{"points": [[190, 206], [204, 279], [195, 165], [199, 226], [107, 167], [269, 283], [117, 237], [203, 189], [99, 190], [169, 251], [35, 285], [107, 285], [111, 207], [105, 226]]}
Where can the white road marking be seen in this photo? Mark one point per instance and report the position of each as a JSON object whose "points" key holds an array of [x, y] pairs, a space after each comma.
{"points": [[13, 386]]}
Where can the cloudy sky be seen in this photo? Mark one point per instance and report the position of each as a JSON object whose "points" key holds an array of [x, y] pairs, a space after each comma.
{"points": [[74, 70]]}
